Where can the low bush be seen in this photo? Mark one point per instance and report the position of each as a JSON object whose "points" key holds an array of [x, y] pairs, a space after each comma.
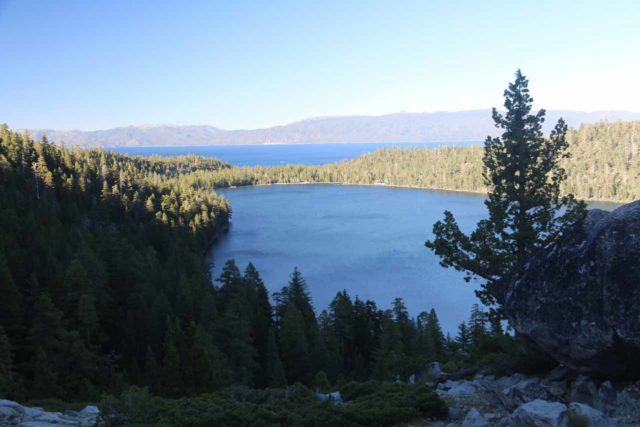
{"points": [[371, 404]]}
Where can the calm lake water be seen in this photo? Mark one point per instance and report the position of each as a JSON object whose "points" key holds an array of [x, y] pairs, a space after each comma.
{"points": [[367, 240], [273, 155]]}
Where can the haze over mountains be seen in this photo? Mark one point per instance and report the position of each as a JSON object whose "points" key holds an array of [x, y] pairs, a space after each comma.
{"points": [[400, 127]]}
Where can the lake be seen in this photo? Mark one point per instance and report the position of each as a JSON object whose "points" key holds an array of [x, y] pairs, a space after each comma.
{"points": [[367, 240], [281, 154]]}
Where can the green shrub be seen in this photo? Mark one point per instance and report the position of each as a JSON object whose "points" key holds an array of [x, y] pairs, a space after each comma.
{"points": [[371, 404]]}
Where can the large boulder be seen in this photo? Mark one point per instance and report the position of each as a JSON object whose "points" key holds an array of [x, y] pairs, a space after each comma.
{"points": [[474, 419], [579, 298], [586, 415], [540, 413]]}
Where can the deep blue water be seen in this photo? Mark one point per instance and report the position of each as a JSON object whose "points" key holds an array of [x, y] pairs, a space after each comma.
{"points": [[282, 154], [367, 240]]}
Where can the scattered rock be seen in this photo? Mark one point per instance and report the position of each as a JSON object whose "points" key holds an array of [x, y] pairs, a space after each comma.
{"points": [[579, 299], [474, 419], [332, 397], [606, 398], [9, 416], [560, 373], [583, 390], [14, 414], [458, 388], [628, 404], [592, 417], [526, 390], [504, 382], [540, 413]]}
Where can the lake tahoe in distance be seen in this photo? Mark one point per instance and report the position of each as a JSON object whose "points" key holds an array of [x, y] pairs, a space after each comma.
{"points": [[368, 240], [283, 154]]}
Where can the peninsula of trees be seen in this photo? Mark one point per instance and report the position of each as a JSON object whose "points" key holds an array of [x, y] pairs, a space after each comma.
{"points": [[604, 164]]}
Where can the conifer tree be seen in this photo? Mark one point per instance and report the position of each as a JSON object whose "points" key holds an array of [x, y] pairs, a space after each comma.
{"points": [[10, 301], [151, 370], [171, 370], [45, 378], [260, 318], [477, 324], [294, 346], [296, 293], [275, 371], [425, 340], [389, 355], [7, 374], [464, 337], [437, 337], [523, 172], [236, 344]]}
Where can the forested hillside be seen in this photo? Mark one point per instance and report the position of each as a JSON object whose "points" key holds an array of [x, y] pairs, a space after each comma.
{"points": [[604, 165], [104, 285], [99, 254]]}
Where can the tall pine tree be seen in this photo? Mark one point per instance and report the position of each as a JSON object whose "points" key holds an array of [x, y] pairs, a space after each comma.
{"points": [[526, 211]]}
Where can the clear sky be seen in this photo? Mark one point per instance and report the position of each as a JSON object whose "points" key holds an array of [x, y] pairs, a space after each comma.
{"points": [[90, 64]]}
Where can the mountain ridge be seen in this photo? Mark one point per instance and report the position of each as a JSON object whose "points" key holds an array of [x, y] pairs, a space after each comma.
{"points": [[468, 125]]}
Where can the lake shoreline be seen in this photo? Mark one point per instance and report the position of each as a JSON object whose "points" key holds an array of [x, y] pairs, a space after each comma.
{"points": [[410, 187]]}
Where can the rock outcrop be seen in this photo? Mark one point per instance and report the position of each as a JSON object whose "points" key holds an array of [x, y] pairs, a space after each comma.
{"points": [[14, 414], [579, 299], [528, 401]]}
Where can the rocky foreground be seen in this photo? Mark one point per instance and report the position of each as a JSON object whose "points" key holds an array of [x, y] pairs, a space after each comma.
{"points": [[559, 399], [14, 414]]}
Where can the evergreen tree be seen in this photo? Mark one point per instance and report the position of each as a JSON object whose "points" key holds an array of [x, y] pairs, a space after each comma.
{"points": [[464, 337], [45, 379], [275, 371], [260, 318], [437, 337], [477, 324], [11, 301], [425, 340], [523, 172], [87, 317], [341, 314], [389, 355], [405, 325], [321, 381], [171, 378], [294, 347], [319, 355], [7, 374], [151, 370], [296, 293], [236, 344]]}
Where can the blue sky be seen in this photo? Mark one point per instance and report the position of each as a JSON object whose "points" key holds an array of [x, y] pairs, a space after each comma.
{"points": [[101, 64]]}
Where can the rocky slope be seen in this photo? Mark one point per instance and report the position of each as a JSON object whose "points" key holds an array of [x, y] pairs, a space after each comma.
{"points": [[14, 414], [579, 299], [559, 399]]}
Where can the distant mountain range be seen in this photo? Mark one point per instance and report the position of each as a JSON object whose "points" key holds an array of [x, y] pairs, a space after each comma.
{"points": [[400, 127]]}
